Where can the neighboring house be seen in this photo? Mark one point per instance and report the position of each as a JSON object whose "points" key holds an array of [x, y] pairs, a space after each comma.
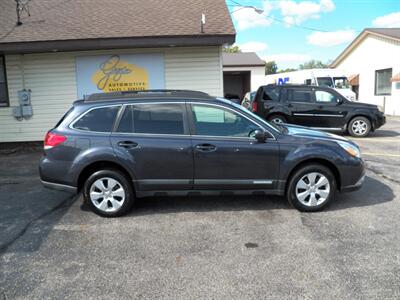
{"points": [[243, 72], [67, 49], [372, 62]]}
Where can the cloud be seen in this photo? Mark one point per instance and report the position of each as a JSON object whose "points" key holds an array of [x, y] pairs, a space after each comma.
{"points": [[332, 38], [247, 17], [297, 12], [390, 20], [287, 57], [253, 46]]}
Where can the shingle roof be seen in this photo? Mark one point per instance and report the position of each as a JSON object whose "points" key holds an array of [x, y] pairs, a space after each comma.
{"points": [[61, 20], [390, 32], [241, 59]]}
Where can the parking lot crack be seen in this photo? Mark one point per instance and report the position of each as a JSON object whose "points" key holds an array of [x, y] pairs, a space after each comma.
{"points": [[376, 172]]}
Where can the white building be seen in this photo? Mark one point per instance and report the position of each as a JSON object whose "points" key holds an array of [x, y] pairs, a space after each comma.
{"points": [[243, 72], [67, 50], [372, 62]]}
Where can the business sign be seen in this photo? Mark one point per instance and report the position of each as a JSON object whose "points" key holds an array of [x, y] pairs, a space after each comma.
{"points": [[114, 73]]}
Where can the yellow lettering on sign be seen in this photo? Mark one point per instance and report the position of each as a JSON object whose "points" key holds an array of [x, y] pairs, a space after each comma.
{"points": [[116, 75]]}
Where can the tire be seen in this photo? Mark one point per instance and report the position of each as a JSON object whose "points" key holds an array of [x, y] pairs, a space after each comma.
{"points": [[108, 193], [311, 197], [359, 127], [278, 119]]}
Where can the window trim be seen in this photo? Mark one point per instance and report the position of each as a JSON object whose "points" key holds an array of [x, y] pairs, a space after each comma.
{"points": [[375, 83], [7, 103]]}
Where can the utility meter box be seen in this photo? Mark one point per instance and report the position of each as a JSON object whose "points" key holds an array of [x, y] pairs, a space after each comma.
{"points": [[24, 97]]}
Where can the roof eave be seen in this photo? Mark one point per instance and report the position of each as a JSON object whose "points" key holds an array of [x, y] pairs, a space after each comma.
{"points": [[116, 43]]}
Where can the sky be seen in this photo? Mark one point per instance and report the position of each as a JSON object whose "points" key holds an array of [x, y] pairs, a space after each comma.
{"points": [[291, 32]]}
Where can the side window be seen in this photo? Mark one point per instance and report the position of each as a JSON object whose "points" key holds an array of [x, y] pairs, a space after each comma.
{"points": [[307, 81], [215, 121], [98, 119], [153, 119], [325, 97], [3, 83], [383, 85], [298, 95], [271, 94]]}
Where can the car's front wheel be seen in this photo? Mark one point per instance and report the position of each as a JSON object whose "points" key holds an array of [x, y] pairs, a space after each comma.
{"points": [[359, 127], [311, 188], [109, 193]]}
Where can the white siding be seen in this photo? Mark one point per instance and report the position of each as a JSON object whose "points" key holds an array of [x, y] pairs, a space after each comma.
{"points": [[374, 53], [52, 79]]}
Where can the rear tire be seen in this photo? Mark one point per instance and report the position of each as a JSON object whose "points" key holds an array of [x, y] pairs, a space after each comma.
{"points": [[277, 119], [359, 127], [108, 193], [311, 188]]}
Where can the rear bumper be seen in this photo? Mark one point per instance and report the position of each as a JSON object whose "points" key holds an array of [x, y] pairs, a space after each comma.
{"points": [[60, 187]]}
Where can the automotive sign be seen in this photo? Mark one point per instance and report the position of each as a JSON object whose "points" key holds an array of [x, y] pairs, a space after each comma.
{"points": [[113, 73]]}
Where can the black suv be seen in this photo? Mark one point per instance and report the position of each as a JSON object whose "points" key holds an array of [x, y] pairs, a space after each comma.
{"points": [[317, 107], [120, 146]]}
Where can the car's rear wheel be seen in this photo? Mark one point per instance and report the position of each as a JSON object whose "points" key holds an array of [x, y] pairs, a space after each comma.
{"points": [[359, 127], [109, 193], [277, 119], [311, 188]]}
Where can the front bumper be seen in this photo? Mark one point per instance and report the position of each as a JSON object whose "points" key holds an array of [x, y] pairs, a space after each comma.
{"points": [[354, 187], [379, 121]]}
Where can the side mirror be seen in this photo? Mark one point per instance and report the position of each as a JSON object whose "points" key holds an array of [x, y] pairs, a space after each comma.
{"points": [[260, 135], [339, 101]]}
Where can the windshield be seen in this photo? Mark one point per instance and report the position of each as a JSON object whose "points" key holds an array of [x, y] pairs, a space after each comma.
{"points": [[341, 82], [325, 81], [279, 128]]}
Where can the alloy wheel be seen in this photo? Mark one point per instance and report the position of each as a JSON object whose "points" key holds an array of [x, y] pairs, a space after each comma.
{"points": [[359, 127], [107, 194], [313, 189]]}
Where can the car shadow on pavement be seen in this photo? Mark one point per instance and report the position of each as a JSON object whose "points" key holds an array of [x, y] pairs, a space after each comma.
{"points": [[372, 193]]}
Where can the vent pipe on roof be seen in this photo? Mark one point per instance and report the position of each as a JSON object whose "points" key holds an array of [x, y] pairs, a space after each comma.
{"points": [[203, 22], [22, 5]]}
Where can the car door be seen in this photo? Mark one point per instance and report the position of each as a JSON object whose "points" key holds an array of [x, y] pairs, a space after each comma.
{"points": [[226, 156], [300, 103], [330, 111], [155, 140]]}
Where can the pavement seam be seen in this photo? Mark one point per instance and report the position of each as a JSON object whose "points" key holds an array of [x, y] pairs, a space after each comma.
{"points": [[376, 172], [4, 247]]}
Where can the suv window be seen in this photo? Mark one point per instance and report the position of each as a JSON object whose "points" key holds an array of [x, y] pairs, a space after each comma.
{"points": [[298, 95], [215, 121], [271, 94], [325, 97], [98, 119], [153, 119]]}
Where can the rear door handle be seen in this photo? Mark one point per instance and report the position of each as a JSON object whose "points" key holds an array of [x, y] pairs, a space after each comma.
{"points": [[206, 148], [128, 144]]}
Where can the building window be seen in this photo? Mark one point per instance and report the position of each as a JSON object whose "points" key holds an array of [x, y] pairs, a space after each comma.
{"points": [[383, 85], [3, 83]]}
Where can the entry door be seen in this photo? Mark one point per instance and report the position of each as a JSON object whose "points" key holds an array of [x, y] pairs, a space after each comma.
{"points": [[300, 103], [155, 141], [330, 110], [226, 156]]}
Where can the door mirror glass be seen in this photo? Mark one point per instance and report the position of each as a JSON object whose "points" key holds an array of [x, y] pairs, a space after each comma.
{"points": [[260, 135]]}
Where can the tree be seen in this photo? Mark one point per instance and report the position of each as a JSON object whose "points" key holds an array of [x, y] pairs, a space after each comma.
{"points": [[313, 64], [231, 49], [270, 67], [287, 70]]}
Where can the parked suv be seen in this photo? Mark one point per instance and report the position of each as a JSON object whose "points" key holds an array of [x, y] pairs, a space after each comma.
{"points": [[318, 107], [120, 146]]}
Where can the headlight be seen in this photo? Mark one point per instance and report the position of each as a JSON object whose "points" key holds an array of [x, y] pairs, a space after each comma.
{"points": [[350, 149]]}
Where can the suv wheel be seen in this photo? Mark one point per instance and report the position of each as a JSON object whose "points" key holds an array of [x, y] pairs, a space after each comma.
{"points": [[359, 127], [277, 119], [108, 193], [311, 188]]}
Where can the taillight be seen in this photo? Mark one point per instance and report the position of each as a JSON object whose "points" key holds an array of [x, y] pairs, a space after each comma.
{"points": [[254, 108], [52, 139]]}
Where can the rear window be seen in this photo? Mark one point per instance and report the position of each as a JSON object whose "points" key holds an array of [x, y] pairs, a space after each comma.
{"points": [[298, 95], [153, 119], [271, 94], [98, 119], [64, 116]]}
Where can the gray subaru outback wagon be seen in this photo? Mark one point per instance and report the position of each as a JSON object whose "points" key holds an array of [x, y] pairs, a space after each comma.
{"points": [[116, 147]]}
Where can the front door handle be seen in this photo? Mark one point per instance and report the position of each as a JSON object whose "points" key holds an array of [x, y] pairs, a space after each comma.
{"points": [[128, 144], [206, 148]]}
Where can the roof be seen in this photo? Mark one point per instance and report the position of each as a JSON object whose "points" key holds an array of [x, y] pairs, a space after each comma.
{"points": [[388, 33], [242, 59], [134, 23]]}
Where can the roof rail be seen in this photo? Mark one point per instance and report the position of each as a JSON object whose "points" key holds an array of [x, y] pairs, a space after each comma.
{"points": [[149, 93]]}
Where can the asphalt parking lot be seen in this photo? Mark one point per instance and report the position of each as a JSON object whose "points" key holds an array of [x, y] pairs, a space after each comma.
{"points": [[51, 246]]}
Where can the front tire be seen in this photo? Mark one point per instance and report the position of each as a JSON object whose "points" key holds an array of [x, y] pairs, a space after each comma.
{"points": [[108, 193], [311, 188], [359, 127]]}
